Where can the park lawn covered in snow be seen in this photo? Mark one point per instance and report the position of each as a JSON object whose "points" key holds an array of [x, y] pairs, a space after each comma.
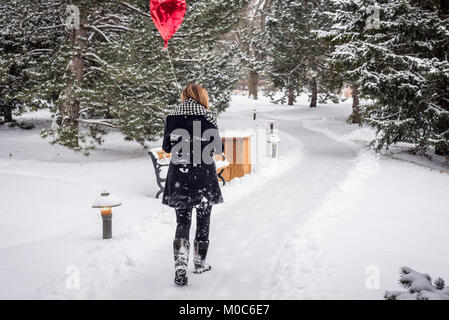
{"points": [[318, 224]]}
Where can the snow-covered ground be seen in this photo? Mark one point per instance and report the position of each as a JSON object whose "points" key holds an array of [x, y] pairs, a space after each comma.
{"points": [[331, 219]]}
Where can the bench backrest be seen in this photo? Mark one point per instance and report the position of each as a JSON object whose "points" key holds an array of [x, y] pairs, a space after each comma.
{"points": [[161, 161], [219, 157], [161, 155]]}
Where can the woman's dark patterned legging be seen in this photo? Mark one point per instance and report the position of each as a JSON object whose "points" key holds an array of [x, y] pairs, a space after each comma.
{"points": [[184, 220]]}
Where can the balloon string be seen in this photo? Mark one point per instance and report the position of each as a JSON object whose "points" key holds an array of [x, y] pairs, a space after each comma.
{"points": [[173, 70]]}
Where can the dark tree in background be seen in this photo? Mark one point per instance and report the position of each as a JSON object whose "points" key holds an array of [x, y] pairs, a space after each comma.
{"points": [[297, 55], [20, 47], [288, 67], [112, 73], [250, 38]]}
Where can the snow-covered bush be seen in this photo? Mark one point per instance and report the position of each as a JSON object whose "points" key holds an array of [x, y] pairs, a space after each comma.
{"points": [[419, 287]]}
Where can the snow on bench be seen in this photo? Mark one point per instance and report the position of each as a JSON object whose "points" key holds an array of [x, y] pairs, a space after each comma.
{"points": [[161, 161]]}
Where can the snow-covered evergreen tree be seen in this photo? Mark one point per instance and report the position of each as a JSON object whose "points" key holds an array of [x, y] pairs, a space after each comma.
{"points": [[250, 37], [297, 55], [396, 52], [111, 72], [21, 45], [419, 287]]}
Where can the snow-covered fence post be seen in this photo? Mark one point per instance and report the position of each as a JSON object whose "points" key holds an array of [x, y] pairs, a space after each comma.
{"points": [[105, 203]]}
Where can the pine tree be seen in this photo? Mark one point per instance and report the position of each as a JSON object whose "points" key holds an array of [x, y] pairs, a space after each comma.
{"points": [[250, 36], [111, 72], [334, 35], [396, 53], [20, 47], [297, 54]]}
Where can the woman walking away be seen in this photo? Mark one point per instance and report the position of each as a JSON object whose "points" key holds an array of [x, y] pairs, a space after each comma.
{"points": [[191, 136]]}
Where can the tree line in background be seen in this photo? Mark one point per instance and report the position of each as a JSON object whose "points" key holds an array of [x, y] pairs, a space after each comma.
{"points": [[112, 71]]}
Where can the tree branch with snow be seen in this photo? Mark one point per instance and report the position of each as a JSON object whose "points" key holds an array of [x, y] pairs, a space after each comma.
{"points": [[419, 287]]}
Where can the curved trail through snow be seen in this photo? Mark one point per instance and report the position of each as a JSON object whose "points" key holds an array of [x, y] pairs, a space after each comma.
{"points": [[247, 235]]}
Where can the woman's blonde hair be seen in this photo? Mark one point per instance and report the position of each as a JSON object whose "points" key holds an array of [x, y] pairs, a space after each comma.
{"points": [[197, 93]]}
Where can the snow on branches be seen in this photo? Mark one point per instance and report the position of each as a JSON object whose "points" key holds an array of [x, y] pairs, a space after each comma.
{"points": [[401, 64], [111, 73], [419, 287]]}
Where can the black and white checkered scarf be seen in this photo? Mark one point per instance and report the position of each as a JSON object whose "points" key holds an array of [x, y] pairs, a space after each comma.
{"points": [[190, 107]]}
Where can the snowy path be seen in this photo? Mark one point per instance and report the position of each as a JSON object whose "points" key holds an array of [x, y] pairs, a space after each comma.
{"points": [[247, 235], [317, 224]]}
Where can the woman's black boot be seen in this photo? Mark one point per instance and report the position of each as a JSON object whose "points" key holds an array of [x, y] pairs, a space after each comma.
{"points": [[181, 253], [199, 257]]}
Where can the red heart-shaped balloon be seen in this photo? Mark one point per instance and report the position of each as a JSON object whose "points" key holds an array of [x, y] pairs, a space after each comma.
{"points": [[167, 15]]}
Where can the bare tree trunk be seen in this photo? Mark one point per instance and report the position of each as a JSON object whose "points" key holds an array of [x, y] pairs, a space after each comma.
{"points": [[314, 89], [441, 151], [253, 81], [6, 112], [291, 97], [444, 9], [442, 126], [266, 5], [443, 13], [355, 101], [355, 116], [70, 106]]}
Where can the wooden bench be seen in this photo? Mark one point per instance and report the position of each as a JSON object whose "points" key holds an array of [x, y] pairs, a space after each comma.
{"points": [[161, 159]]}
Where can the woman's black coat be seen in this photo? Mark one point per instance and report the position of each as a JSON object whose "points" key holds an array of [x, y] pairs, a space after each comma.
{"points": [[193, 182]]}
